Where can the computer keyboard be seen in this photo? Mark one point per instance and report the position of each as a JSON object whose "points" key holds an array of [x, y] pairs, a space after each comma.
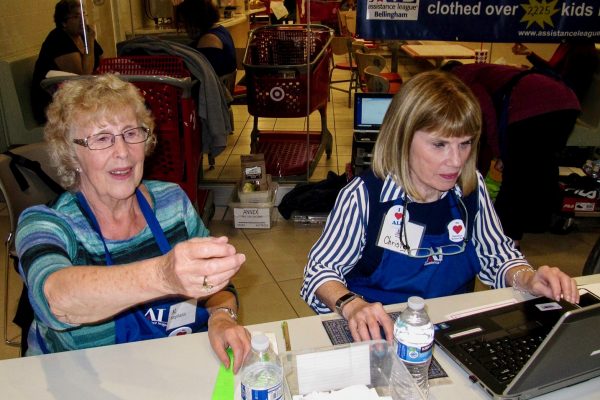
{"points": [[504, 357]]}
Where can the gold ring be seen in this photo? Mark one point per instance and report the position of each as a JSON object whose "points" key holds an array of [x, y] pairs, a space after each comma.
{"points": [[206, 286]]}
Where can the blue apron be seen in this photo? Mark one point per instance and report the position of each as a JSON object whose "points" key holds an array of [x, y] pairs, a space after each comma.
{"points": [[148, 320], [390, 277]]}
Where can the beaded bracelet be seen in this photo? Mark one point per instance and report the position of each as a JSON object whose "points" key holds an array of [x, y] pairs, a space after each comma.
{"points": [[515, 279]]}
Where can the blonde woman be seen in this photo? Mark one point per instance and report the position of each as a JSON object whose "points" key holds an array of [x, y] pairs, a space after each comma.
{"points": [[421, 223]]}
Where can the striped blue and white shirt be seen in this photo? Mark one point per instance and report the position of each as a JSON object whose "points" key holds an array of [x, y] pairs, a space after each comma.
{"points": [[342, 242]]}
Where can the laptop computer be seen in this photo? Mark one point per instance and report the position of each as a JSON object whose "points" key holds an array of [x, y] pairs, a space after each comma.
{"points": [[526, 349], [369, 110]]}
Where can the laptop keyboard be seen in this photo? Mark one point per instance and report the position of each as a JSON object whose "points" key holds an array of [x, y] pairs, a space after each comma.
{"points": [[503, 357]]}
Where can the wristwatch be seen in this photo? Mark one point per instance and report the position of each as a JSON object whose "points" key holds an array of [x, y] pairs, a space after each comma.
{"points": [[227, 310], [345, 299]]}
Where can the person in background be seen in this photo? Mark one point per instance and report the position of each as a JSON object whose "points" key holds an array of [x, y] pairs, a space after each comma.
{"points": [[201, 21], [574, 61], [64, 49], [527, 117], [118, 259], [421, 222], [290, 6]]}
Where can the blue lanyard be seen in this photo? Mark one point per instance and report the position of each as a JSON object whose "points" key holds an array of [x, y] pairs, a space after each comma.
{"points": [[152, 222], [149, 216]]}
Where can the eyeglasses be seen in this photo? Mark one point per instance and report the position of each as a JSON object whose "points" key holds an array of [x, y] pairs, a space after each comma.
{"points": [[446, 250], [104, 140]]}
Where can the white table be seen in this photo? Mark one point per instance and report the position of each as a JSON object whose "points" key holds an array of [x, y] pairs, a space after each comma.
{"points": [[185, 367], [438, 52]]}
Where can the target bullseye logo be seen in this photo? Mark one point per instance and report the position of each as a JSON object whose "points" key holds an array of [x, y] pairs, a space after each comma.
{"points": [[277, 93]]}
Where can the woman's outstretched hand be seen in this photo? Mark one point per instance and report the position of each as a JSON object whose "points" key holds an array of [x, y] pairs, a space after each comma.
{"points": [[199, 267]]}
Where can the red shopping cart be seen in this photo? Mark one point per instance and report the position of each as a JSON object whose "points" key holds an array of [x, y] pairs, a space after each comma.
{"points": [[166, 85], [287, 72], [321, 12]]}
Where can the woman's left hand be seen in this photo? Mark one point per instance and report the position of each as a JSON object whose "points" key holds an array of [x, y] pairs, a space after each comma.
{"points": [[224, 332], [552, 283]]}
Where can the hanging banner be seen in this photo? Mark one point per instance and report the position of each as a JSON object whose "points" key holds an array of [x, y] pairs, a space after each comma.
{"points": [[479, 20]]}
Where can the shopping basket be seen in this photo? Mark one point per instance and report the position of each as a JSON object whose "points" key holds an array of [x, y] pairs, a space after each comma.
{"points": [[287, 73], [166, 85]]}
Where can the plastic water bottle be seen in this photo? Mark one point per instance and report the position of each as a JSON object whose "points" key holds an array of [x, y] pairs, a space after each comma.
{"points": [[262, 374], [413, 338]]}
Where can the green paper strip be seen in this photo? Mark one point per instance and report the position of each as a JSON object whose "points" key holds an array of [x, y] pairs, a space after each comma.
{"points": [[225, 383]]}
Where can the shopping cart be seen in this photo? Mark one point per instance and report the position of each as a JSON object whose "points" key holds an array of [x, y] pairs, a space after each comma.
{"points": [[323, 12], [287, 73], [166, 85]]}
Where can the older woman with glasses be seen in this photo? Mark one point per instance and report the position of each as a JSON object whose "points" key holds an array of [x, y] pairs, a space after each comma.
{"points": [[421, 223], [116, 258]]}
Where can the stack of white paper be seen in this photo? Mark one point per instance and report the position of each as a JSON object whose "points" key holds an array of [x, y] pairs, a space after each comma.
{"points": [[354, 392]]}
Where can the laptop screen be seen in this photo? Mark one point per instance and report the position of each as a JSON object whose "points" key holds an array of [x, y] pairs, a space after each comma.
{"points": [[369, 110]]}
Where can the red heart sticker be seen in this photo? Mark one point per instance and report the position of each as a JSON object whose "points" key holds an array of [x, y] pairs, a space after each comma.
{"points": [[457, 228], [398, 215]]}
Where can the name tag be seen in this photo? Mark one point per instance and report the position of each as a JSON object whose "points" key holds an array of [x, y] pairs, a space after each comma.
{"points": [[391, 231], [181, 314]]}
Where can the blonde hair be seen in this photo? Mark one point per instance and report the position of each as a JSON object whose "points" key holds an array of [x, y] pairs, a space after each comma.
{"points": [[84, 101], [430, 101]]}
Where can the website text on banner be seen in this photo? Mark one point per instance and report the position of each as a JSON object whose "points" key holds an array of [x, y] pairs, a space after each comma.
{"points": [[479, 20]]}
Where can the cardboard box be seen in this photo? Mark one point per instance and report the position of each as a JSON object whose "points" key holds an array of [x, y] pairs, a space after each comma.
{"points": [[253, 215], [257, 196], [578, 204], [254, 170], [576, 199]]}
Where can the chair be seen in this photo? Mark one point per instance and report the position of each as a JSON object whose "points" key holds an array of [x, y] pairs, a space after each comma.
{"points": [[16, 114], [342, 46], [235, 90], [18, 199], [376, 83], [347, 22], [364, 60]]}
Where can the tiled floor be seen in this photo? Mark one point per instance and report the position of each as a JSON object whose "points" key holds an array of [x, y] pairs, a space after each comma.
{"points": [[227, 164], [269, 282]]}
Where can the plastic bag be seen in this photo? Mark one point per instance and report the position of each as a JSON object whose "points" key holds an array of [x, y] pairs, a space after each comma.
{"points": [[313, 197]]}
